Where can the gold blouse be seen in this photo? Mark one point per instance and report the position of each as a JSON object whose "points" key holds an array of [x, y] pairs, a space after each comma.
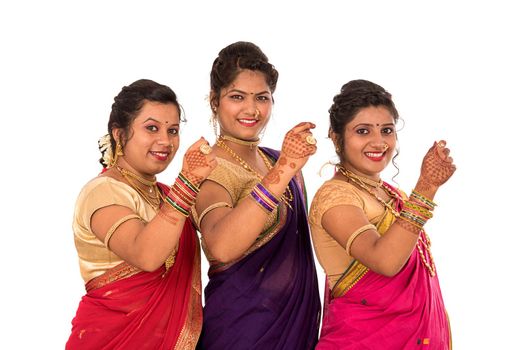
{"points": [[238, 182], [94, 257], [332, 256]]}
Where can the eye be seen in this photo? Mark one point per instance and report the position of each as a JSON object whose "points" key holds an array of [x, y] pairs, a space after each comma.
{"points": [[173, 131], [362, 131], [236, 97], [152, 128], [263, 98], [388, 131]]}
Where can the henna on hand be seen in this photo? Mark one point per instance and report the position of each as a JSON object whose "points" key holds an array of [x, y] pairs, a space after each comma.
{"points": [[198, 164], [437, 166], [295, 145]]}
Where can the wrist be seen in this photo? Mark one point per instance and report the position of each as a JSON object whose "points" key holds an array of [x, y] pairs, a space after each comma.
{"points": [[426, 188]]}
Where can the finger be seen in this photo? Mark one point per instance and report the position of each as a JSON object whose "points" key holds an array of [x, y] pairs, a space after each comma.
{"points": [[304, 126]]}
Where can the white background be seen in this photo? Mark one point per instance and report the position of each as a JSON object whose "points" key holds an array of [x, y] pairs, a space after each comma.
{"points": [[455, 69]]}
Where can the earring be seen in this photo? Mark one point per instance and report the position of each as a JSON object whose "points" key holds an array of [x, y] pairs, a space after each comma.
{"points": [[118, 153]]}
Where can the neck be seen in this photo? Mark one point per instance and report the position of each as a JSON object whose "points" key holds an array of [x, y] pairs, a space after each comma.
{"points": [[252, 144], [367, 180]]}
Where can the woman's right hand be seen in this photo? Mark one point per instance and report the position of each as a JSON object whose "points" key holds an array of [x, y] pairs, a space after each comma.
{"points": [[199, 161], [299, 144], [437, 167]]}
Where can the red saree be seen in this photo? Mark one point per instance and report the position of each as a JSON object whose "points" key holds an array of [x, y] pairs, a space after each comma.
{"points": [[126, 308], [366, 310]]}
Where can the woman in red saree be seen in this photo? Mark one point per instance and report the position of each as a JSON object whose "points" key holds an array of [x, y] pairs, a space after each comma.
{"points": [[138, 253], [382, 289]]}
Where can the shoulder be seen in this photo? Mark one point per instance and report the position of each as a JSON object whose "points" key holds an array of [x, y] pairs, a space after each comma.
{"points": [[331, 194]]}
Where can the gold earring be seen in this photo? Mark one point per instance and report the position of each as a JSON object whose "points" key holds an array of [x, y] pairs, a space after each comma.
{"points": [[118, 153]]}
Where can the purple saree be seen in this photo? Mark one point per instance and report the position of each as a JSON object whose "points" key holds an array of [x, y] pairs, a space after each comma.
{"points": [[269, 299]]}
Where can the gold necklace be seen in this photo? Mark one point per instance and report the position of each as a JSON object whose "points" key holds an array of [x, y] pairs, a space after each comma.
{"points": [[287, 196], [358, 180], [421, 244], [153, 197], [251, 144]]}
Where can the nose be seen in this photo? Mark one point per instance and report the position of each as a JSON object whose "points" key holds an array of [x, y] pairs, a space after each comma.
{"points": [[252, 108], [163, 138]]}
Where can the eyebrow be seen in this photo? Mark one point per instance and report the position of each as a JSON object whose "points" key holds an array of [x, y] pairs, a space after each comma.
{"points": [[153, 119], [248, 93], [371, 125]]}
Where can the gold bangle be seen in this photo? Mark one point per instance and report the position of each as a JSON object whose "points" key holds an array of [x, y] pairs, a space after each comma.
{"points": [[356, 234]]}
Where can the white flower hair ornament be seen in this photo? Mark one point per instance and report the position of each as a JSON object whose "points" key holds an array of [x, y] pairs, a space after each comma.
{"points": [[104, 145]]}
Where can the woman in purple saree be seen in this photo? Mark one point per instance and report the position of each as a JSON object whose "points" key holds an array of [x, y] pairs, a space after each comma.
{"points": [[263, 290], [382, 286]]}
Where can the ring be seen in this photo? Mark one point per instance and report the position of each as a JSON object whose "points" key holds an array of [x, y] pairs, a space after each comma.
{"points": [[441, 144], [311, 140], [205, 149]]}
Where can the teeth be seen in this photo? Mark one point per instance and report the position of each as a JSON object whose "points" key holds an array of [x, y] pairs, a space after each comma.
{"points": [[374, 155], [162, 154], [248, 121]]}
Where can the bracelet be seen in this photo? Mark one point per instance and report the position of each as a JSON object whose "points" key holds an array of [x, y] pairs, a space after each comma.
{"points": [[264, 198]]}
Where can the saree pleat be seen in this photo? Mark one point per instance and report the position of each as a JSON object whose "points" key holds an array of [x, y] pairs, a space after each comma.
{"points": [[126, 308], [269, 299], [366, 310]]}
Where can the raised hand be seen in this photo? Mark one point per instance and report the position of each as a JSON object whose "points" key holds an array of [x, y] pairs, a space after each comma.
{"points": [[199, 161], [299, 144], [437, 166]]}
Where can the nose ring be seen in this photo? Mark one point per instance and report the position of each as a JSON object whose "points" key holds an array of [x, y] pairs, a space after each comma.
{"points": [[385, 147], [257, 114]]}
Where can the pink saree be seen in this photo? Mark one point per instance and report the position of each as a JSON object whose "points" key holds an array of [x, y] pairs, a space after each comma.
{"points": [[366, 310]]}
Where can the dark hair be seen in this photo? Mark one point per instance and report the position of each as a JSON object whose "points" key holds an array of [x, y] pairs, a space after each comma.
{"points": [[353, 97], [232, 60], [128, 103]]}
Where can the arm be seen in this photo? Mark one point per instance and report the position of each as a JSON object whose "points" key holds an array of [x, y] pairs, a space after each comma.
{"points": [[147, 245], [229, 232], [388, 253]]}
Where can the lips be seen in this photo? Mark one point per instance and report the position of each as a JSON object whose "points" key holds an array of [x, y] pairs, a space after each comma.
{"points": [[375, 156], [248, 122], [163, 156]]}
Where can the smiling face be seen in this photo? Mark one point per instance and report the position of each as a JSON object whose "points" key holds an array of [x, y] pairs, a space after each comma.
{"points": [[244, 107], [369, 142], [153, 139]]}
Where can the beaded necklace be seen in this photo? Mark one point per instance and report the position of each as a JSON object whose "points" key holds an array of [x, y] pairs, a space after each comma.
{"points": [[423, 244], [287, 196], [153, 196]]}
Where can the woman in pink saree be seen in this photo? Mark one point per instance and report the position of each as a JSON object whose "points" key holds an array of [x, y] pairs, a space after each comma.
{"points": [[382, 289], [139, 254]]}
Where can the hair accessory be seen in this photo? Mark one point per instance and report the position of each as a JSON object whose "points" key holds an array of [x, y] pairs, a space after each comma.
{"points": [[104, 145], [205, 148]]}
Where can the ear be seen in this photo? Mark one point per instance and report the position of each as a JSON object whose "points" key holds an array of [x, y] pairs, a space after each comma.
{"points": [[333, 136], [213, 101], [116, 132]]}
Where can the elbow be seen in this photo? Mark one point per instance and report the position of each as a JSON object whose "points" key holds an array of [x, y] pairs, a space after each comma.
{"points": [[148, 263], [388, 270], [221, 253]]}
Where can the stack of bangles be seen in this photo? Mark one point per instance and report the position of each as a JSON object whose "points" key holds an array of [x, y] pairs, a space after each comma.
{"points": [[417, 210], [264, 198], [182, 195]]}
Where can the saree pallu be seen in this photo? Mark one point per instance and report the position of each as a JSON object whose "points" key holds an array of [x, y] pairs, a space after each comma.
{"points": [[367, 310], [269, 299], [126, 308]]}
